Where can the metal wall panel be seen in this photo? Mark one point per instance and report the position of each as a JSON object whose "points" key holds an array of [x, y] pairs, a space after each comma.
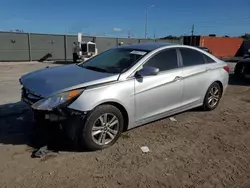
{"points": [[70, 40], [88, 38], [146, 41], [42, 45], [104, 44], [59, 46], [128, 41], [161, 41], [170, 41], [14, 46], [14, 55], [174, 41]]}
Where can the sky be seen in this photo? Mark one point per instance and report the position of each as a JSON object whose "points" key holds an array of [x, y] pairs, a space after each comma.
{"points": [[115, 18]]}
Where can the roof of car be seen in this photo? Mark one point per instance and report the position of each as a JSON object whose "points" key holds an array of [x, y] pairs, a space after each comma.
{"points": [[147, 46]]}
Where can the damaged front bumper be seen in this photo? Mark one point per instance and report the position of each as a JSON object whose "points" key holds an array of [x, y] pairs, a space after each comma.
{"points": [[69, 121]]}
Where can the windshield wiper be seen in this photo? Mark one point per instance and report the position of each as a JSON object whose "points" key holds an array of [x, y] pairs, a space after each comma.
{"points": [[95, 68]]}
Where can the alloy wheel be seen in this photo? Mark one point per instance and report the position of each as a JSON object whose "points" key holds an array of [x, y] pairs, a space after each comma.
{"points": [[214, 96], [105, 129]]}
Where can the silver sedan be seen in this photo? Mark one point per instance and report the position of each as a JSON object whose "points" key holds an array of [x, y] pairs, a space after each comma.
{"points": [[123, 88]]}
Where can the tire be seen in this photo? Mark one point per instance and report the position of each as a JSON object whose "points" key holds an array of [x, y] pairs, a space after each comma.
{"points": [[239, 70], [89, 142], [207, 105]]}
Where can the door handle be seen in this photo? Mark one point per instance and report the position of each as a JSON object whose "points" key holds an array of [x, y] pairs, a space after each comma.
{"points": [[208, 69], [177, 78]]}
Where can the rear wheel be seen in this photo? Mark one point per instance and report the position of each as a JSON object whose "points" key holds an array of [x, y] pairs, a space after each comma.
{"points": [[102, 128], [212, 97]]}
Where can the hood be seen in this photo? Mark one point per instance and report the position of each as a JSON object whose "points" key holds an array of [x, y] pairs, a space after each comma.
{"points": [[48, 81]]}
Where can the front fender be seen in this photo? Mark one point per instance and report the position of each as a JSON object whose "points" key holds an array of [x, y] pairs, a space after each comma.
{"points": [[120, 92]]}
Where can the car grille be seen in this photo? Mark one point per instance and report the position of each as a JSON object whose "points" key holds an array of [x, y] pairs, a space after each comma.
{"points": [[91, 48], [29, 96]]}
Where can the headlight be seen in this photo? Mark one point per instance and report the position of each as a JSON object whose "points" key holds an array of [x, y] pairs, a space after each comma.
{"points": [[56, 100]]}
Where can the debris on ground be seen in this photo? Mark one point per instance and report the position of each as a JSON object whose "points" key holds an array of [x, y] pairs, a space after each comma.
{"points": [[172, 119], [145, 149], [41, 152]]}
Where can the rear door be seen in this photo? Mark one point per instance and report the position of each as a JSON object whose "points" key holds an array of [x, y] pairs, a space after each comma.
{"points": [[195, 76]]}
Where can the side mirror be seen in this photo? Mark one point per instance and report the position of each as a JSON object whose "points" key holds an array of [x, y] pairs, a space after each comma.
{"points": [[147, 71]]}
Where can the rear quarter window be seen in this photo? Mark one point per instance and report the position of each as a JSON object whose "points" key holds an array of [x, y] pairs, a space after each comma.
{"points": [[208, 59]]}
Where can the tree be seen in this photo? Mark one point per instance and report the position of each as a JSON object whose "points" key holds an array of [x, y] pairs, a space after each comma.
{"points": [[246, 36], [17, 31], [170, 37]]}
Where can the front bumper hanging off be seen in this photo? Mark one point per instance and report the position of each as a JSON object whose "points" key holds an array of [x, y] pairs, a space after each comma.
{"points": [[69, 120]]}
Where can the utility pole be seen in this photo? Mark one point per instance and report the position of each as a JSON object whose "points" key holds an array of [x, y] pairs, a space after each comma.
{"points": [[146, 21], [146, 24], [192, 32], [129, 33], [154, 35]]}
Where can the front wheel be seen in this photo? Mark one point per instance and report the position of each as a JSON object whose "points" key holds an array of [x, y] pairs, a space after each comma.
{"points": [[212, 97], [102, 128]]}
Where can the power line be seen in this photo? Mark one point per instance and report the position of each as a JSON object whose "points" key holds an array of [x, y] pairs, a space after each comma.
{"points": [[208, 27], [231, 19], [214, 25], [211, 24]]}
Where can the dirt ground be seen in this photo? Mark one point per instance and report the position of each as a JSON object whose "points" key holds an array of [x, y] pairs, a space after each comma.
{"points": [[200, 149]]}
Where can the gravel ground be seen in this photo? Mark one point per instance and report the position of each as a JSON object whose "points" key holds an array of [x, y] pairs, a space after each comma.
{"points": [[200, 149]]}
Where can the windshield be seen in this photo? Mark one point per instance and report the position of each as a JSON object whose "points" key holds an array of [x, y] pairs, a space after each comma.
{"points": [[116, 60]]}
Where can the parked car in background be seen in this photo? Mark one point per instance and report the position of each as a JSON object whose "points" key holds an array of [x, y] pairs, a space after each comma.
{"points": [[205, 49], [123, 88], [242, 68], [247, 55]]}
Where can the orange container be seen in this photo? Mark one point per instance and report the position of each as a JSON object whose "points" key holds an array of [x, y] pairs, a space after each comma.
{"points": [[222, 46]]}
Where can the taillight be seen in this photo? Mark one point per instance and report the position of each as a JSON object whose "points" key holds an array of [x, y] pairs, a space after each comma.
{"points": [[226, 68]]}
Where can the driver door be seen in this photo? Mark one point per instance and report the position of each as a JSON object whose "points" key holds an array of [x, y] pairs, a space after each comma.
{"points": [[159, 95]]}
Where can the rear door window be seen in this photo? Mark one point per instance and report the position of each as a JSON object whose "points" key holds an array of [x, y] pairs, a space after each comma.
{"points": [[192, 57]]}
